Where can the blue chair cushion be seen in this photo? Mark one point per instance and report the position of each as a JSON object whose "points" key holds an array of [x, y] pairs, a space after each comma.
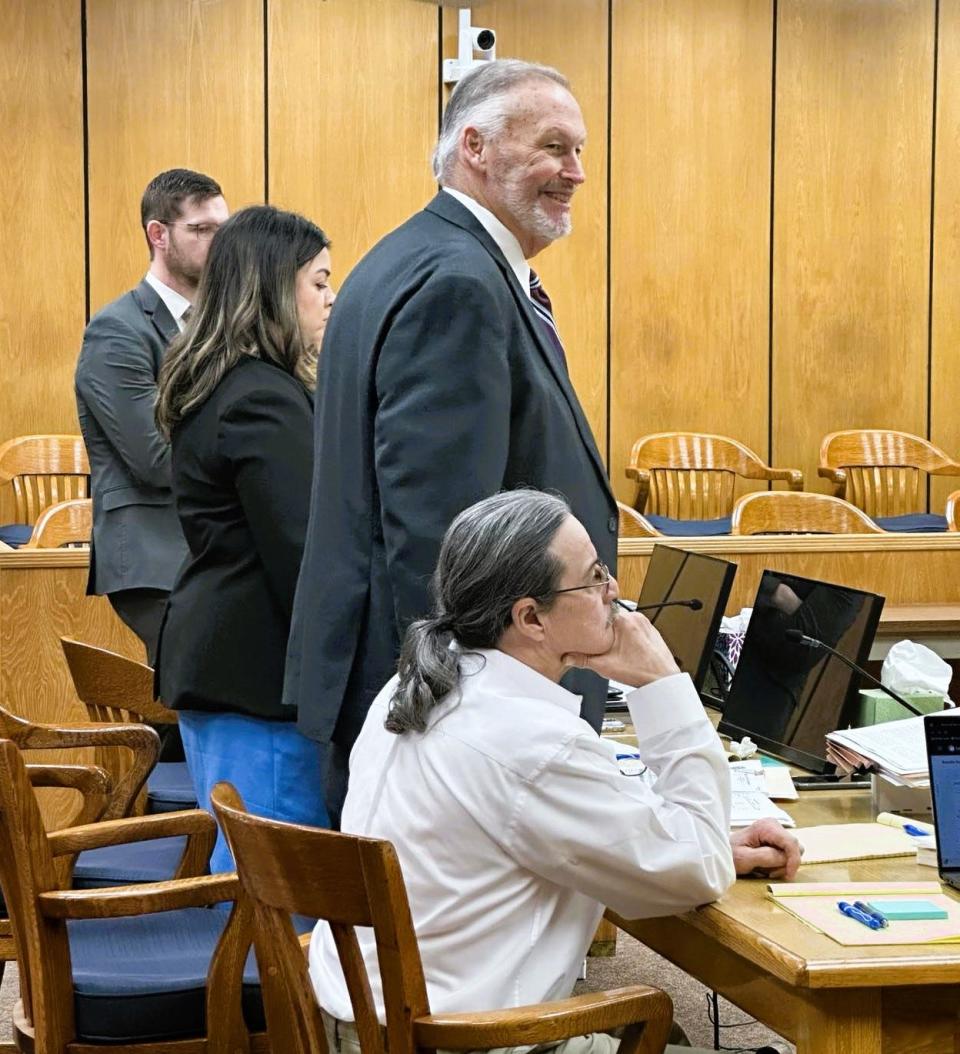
{"points": [[915, 523], [169, 788], [120, 865], [15, 534], [691, 528], [143, 979]]}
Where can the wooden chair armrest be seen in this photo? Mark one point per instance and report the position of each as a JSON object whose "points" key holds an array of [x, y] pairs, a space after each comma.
{"points": [[148, 898], [544, 1022], [793, 476], [835, 475], [93, 783], [141, 740], [131, 829]]}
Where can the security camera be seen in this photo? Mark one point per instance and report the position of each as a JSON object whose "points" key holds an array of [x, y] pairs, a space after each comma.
{"points": [[483, 40], [472, 40]]}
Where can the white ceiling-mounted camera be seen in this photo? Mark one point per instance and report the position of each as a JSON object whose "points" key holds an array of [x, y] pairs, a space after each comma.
{"points": [[474, 45]]}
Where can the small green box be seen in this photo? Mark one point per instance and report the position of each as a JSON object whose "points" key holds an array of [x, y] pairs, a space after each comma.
{"points": [[875, 706], [907, 910]]}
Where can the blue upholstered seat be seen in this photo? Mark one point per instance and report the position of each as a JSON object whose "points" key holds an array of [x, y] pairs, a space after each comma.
{"points": [[120, 865], [15, 534], [914, 523], [144, 978], [691, 528], [169, 788]]}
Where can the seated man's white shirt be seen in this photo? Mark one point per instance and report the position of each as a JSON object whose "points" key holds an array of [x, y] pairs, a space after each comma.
{"points": [[514, 826]]}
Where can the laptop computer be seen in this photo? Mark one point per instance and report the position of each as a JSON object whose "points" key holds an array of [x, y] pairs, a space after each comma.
{"points": [[943, 754]]}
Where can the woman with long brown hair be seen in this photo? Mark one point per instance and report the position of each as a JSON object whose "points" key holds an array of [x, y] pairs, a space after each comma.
{"points": [[235, 400]]}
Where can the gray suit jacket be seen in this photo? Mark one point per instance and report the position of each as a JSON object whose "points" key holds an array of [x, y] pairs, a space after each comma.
{"points": [[438, 386], [137, 540]]}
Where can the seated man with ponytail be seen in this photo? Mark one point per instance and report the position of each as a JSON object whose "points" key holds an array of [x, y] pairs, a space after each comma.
{"points": [[512, 819]]}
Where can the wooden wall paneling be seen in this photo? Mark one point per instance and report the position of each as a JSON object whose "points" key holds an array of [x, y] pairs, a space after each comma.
{"points": [[353, 90], [945, 362], [572, 36], [690, 177], [851, 221], [171, 83], [41, 216]]}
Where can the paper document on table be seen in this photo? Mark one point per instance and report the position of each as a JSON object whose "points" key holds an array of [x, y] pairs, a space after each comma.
{"points": [[897, 748], [815, 904], [747, 806], [774, 781], [853, 841]]}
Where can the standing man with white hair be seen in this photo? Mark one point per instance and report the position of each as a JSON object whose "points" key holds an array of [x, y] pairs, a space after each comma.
{"points": [[442, 380]]}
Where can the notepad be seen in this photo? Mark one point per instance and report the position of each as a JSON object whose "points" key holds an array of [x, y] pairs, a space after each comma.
{"points": [[853, 841], [907, 910], [815, 903]]}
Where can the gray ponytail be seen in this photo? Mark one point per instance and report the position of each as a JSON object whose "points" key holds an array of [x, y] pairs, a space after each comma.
{"points": [[493, 554]]}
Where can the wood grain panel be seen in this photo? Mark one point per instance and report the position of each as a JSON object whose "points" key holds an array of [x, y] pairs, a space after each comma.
{"points": [[945, 363], [690, 147], [353, 115], [41, 217], [42, 598], [572, 36], [916, 570], [851, 221], [171, 83]]}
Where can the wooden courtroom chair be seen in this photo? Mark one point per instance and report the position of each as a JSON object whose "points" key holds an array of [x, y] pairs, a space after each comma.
{"points": [[130, 970], [115, 688], [635, 525], [686, 480], [953, 511], [880, 471], [287, 869], [782, 512], [42, 471], [66, 523]]}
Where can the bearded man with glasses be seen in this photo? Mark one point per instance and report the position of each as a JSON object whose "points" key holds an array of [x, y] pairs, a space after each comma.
{"points": [[137, 544]]}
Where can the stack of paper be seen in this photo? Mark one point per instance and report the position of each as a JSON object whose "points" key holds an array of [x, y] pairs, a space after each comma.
{"points": [[895, 749]]}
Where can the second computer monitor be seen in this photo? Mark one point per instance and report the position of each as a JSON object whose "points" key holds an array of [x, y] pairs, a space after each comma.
{"points": [[787, 695], [675, 574]]}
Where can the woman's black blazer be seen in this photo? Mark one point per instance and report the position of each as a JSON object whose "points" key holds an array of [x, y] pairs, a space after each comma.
{"points": [[242, 466]]}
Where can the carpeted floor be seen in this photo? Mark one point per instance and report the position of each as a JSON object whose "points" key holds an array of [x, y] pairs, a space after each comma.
{"points": [[633, 964]]}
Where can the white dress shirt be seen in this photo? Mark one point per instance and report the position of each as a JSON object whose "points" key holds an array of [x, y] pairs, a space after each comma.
{"points": [[175, 302], [506, 241], [514, 825]]}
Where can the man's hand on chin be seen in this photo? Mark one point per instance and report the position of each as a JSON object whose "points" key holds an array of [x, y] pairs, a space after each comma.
{"points": [[637, 656], [766, 850]]}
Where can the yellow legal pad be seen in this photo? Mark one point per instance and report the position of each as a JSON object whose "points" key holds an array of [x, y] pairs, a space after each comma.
{"points": [[815, 903]]}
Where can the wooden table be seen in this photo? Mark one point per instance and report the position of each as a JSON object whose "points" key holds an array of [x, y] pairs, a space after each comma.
{"points": [[825, 998], [935, 625]]}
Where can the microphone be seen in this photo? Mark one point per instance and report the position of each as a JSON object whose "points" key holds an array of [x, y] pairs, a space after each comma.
{"points": [[695, 605], [796, 636]]}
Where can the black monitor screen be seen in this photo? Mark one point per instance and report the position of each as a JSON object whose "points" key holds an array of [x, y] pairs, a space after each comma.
{"points": [[943, 751], [675, 574], [786, 696]]}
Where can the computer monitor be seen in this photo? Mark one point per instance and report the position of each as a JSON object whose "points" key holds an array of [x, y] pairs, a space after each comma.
{"points": [[675, 574], [785, 695]]}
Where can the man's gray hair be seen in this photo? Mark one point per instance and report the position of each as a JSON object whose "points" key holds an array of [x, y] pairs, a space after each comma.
{"points": [[479, 99], [493, 554]]}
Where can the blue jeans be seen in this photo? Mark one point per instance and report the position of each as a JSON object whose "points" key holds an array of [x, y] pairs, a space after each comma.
{"points": [[276, 769]]}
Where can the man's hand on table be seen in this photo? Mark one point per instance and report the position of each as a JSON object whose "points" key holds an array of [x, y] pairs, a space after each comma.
{"points": [[765, 849]]}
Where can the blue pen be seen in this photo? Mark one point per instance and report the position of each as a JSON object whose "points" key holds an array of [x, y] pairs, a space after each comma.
{"points": [[873, 913], [917, 832], [853, 913]]}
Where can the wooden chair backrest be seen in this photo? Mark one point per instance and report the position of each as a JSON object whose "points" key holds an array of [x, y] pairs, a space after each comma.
{"points": [[635, 525], [66, 523], [881, 471], [44, 470], [27, 869], [953, 511], [349, 881], [692, 475], [781, 512]]}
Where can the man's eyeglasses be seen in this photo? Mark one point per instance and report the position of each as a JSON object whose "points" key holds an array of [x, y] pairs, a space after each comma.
{"points": [[201, 231], [601, 577]]}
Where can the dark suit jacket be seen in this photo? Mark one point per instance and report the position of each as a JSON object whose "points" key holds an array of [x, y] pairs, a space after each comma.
{"points": [[137, 541], [438, 387], [242, 464]]}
